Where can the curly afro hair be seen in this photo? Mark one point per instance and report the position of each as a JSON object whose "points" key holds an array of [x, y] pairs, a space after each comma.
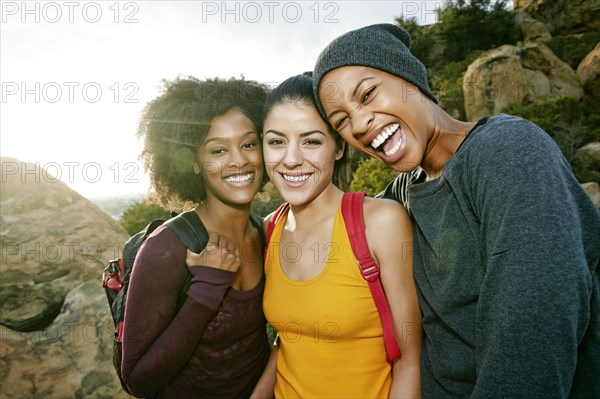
{"points": [[175, 124]]}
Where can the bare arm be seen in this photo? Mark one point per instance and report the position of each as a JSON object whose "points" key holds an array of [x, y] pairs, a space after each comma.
{"points": [[389, 232]]}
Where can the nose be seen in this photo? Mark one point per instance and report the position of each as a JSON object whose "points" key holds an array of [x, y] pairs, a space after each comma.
{"points": [[237, 159], [293, 157], [361, 121]]}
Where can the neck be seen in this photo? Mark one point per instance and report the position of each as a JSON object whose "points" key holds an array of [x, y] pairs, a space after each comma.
{"points": [[448, 134], [231, 221], [313, 212]]}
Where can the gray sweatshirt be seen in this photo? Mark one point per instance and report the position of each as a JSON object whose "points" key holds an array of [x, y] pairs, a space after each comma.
{"points": [[507, 246]]}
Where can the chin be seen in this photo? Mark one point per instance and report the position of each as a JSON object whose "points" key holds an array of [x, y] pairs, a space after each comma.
{"points": [[295, 198]]}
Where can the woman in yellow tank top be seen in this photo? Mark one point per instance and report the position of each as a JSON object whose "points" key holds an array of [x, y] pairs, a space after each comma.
{"points": [[330, 335]]}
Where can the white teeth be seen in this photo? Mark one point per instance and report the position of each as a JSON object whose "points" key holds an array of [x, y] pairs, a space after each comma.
{"points": [[296, 178], [394, 149], [381, 137], [238, 178]]}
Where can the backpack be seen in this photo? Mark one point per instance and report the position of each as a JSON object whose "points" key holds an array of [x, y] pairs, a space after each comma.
{"points": [[352, 212], [115, 279]]}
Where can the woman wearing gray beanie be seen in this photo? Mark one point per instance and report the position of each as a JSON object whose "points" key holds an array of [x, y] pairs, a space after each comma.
{"points": [[506, 240]]}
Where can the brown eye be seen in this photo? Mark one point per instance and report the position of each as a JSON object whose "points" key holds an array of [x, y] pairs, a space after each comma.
{"points": [[218, 151], [312, 142], [275, 142], [340, 122], [368, 94]]}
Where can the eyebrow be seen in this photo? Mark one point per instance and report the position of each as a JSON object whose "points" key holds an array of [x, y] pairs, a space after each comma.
{"points": [[304, 134], [360, 82], [224, 139]]}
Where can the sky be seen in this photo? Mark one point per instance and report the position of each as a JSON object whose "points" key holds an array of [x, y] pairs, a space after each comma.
{"points": [[75, 75]]}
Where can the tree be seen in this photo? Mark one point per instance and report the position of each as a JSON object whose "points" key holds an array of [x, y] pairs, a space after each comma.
{"points": [[476, 25], [137, 216], [423, 40], [372, 176]]}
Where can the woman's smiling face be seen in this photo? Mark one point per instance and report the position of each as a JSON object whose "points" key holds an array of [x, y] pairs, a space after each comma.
{"points": [[299, 151], [377, 113], [231, 159]]}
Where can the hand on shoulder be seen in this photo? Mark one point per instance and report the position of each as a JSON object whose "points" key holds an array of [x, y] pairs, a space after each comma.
{"points": [[219, 253]]}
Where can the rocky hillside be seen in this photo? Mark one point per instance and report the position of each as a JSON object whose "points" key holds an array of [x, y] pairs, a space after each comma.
{"points": [[55, 326], [530, 71], [564, 16]]}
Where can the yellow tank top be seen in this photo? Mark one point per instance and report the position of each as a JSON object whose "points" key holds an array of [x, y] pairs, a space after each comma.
{"points": [[330, 334]]}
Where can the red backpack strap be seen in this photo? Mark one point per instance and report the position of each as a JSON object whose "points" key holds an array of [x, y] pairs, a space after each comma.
{"points": [[279, 212], [352, 211]]}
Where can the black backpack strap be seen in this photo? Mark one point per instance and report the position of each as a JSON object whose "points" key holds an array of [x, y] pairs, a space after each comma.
{"points": [[190, 230], [193, 234]]}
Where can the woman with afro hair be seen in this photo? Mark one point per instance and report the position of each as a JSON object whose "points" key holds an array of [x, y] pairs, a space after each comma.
{"points": [[201, 146]]}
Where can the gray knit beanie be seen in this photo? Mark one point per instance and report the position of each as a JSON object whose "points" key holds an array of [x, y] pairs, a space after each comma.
{"points": [[381, 46]]}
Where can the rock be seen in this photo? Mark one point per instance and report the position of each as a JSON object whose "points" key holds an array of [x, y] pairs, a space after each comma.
{"points": [[593, 190], [532, 29], [591, 151], [55, 324], [588, 72], [510, 74], [587, 162], [563, 16]]}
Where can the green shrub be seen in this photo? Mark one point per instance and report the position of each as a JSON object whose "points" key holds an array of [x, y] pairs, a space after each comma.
{"points": [[424, 41], [137, 216], [266, 201], [573, 48], [475, 25], [372, 176]]}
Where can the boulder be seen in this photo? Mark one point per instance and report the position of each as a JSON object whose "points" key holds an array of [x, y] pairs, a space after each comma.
{"points": [[587, 162], [55, 324], [532, 29], [588, 72], [563, 16], [510, 74], [593, 190]]}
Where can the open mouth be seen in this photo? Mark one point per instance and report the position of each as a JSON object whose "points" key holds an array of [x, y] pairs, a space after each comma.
{"points": [[248, 177], [295, 178], [389, 140]]}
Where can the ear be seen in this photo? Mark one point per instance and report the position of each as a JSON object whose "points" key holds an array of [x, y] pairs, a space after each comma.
{"points": [[340, 151], [196, 168]]}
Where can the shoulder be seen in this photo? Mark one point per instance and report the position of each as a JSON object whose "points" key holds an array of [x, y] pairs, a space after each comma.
{"points": [[385, 220], [389, 232], [382, 210], [508, 149], [163, 241], [162, 252], [506, 133]]}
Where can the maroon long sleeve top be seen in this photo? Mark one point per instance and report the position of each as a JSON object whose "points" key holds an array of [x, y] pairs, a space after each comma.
{"points": [[214, 347]]}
